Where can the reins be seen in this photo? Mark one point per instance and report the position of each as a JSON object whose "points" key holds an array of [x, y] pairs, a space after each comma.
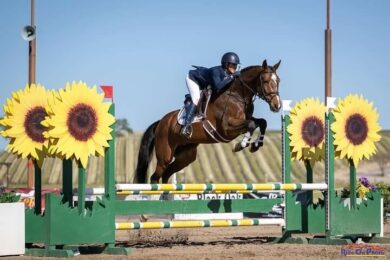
{"points": [[256, 94]]}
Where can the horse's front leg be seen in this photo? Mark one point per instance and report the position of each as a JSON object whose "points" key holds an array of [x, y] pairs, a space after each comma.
{"points": [[250, 126], [262, 124]]}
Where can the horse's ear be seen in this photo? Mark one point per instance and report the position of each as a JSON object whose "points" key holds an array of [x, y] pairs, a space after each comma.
{"points": [[265, 65], [276, 66]]}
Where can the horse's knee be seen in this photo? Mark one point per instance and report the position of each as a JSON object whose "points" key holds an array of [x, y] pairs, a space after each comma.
{"points": [[262, 123]]}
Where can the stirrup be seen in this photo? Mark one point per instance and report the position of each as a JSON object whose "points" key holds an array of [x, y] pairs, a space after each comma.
{"points": [[186, 131]]}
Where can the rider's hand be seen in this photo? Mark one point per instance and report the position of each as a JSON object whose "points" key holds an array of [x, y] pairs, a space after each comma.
{"points": [[236, 74]]}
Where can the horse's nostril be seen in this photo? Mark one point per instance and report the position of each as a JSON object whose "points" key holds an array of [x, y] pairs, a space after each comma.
{"points": [[276, 107]]}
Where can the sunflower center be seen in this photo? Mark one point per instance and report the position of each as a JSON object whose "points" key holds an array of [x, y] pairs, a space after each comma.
{"points": [[312, 131], [82, 122], [32, 124], [356, 129]]}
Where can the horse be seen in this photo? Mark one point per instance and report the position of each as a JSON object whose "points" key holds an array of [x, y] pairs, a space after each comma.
{"points": [[229, 114]]}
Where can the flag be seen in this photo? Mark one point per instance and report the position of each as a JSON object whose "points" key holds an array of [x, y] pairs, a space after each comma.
{"points": [[330, 102], [286, 105], [108, 93]]}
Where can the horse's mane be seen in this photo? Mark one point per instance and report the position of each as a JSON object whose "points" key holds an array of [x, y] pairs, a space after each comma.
{"points": [[254, 66], [214, 97], [248, 68]]}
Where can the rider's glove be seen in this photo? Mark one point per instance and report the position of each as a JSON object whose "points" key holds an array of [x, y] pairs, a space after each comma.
{"points": [[236, 74]]}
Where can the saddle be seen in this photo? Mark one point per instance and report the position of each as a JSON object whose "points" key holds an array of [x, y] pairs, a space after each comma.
{"points": [[201, 115], [201, 111]]}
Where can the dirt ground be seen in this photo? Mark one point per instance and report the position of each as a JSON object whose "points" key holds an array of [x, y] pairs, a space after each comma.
{"points": [[218, 243]]}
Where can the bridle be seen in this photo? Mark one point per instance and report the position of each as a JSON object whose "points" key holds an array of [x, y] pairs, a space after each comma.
{"points": [[268, 97]]}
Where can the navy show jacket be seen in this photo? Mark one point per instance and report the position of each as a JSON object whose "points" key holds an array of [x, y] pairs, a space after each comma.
{"points": [[216, 76]]}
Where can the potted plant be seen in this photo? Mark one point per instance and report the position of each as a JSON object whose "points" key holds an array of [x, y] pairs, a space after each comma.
{"points": [[11, 224], [363, 189]]}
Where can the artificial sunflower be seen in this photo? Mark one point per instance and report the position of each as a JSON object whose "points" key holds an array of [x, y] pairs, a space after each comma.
{"points": [[8, 107], [22, 119], [3, 120], [307, 130], [355, 128], [79, 122]]}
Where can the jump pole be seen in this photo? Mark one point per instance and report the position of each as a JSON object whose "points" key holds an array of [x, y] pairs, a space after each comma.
{"points": [[222, 187], [197, 223]]}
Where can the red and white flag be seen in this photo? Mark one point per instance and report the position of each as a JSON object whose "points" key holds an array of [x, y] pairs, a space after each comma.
{"points": [[108, 91]]}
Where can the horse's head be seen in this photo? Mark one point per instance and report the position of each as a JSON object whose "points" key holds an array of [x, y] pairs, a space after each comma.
{"points": [[263, 82], [268, 89]]}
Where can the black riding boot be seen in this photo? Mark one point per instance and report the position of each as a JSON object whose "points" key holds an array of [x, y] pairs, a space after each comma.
{"points": [[189, 117]]}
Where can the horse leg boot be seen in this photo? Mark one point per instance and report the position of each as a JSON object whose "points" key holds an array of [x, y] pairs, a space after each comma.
{"points": [[185, 131], [251, 126], [262, 123], [244, 143]]}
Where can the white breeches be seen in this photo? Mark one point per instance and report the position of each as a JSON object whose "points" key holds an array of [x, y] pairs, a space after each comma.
{"points": [[194, 90]]}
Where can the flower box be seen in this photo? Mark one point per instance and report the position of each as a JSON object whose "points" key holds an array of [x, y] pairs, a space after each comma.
{"points": [[12, 229]]}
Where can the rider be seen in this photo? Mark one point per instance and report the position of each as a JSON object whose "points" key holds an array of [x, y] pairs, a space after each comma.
{"points": [[217, 77]]}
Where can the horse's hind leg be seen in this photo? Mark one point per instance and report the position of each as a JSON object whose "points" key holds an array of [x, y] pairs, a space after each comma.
{"points": [[161, 167], [164, 156], [262, 124], [184, 155]]}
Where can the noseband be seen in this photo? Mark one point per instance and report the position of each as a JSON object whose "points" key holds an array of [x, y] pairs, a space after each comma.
{"points": [[267, 96]]}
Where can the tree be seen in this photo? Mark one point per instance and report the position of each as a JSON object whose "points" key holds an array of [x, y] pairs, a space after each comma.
{"points": [[122, 127]]}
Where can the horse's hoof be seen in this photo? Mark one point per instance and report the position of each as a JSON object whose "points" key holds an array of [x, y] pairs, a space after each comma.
{"points": [[237, 147], [143, 218], [255, 147]]}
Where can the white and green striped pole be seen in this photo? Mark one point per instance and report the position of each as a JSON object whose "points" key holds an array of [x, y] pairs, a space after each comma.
{"points": [[197, 223]]}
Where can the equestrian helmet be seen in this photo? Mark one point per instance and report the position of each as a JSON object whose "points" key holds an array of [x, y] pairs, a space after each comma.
{"points": [[230, 57]]}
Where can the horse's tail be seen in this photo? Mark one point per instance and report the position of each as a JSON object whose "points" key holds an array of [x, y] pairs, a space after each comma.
{"points": [[144, 154]]}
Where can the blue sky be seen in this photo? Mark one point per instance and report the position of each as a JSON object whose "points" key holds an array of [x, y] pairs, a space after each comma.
{"points": [[145, 48]]}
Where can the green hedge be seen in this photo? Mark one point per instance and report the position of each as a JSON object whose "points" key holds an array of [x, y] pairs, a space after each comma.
{"points": [[384, 189], [7, 197]]}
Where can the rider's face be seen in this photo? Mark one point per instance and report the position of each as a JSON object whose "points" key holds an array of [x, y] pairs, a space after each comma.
{"points": [[231, 68]]}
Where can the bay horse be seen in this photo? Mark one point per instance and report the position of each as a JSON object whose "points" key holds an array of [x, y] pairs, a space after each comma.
{"points": [[230, 113]]}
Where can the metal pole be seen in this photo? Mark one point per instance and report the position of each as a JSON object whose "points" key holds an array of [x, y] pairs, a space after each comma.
{"points": [[32, 48], [31, 79], [109, 170], [352, 184], [67, 181], [81, 189], [328, 54]]}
